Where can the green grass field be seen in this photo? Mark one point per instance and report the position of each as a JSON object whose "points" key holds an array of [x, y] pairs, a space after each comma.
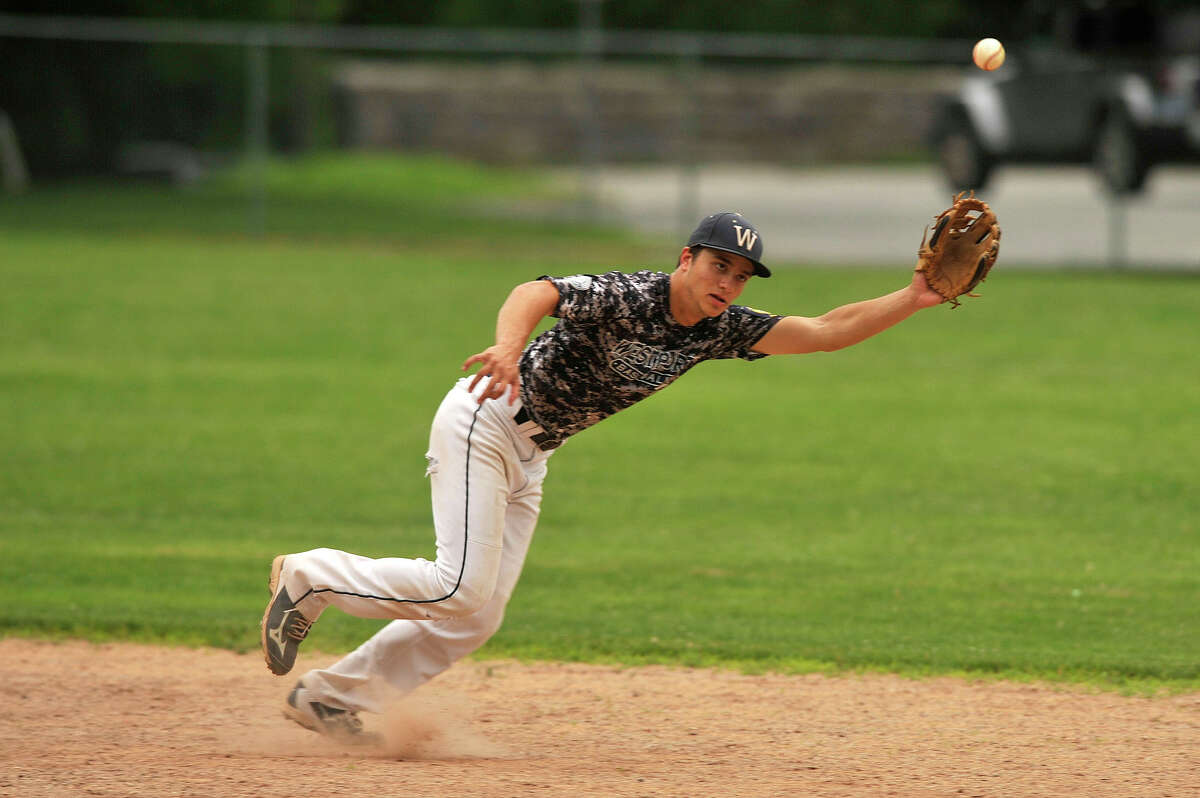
{"points": [[1008, 489]]}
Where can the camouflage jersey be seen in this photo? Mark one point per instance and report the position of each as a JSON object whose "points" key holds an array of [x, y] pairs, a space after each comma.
{"points": [[616, 343]]}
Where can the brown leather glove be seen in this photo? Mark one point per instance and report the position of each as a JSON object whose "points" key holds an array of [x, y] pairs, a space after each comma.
{"points": [[962, 249]]}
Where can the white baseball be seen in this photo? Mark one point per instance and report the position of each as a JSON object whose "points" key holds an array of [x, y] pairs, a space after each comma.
{"points": [[988, 54]]}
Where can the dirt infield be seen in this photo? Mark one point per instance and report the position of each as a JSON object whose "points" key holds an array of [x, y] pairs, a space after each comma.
{"points": [[126, 720]]}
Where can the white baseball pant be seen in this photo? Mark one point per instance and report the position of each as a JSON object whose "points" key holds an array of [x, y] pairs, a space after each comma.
{"points": [[486, 480]]}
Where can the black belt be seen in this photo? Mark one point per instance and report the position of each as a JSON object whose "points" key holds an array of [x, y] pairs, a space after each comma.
{"points": [[544, 440]]}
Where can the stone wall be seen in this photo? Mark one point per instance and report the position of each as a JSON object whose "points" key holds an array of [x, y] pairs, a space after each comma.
{"points": [[526, 113]]}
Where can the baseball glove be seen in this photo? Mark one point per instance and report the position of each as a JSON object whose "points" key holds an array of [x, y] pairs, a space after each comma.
{"points": [[962, 249]]}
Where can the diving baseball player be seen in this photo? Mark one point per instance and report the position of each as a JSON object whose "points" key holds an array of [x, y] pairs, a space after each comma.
{"points": [[619, 338]]}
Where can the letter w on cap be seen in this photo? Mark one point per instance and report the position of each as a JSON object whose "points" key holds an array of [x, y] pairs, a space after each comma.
{"points": [[745, 236]]}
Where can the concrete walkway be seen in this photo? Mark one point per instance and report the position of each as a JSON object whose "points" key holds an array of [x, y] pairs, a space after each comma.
{"points": [[869, 215]]}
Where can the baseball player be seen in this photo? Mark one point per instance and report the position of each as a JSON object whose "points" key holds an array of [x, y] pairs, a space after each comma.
{"points": [[619, 338]]}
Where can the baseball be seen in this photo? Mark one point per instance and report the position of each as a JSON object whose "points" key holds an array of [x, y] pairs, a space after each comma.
{"points": [[988, 54]]}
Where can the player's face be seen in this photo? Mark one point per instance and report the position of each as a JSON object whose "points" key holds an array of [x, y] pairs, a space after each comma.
{"points": [[716, 279]]}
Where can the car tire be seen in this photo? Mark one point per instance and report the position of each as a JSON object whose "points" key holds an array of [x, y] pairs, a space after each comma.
{"points": [[964, 162], [1119, 157]]}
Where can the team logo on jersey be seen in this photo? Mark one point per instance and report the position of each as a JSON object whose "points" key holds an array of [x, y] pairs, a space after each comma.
{"points": [[648, 365]]}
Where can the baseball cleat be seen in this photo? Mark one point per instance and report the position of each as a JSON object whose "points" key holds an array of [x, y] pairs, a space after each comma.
{"points": [[283, 626], [341, 725]]}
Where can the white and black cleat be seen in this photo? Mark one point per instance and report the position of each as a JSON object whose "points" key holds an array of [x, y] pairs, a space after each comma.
{"points": [[340, 725], [283, 626]]}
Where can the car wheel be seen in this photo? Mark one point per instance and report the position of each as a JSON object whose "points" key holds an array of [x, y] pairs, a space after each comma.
{"points": [[965, 164], [1119, 158]]}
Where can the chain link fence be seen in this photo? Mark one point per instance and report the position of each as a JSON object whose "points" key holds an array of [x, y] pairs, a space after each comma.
{"points": [[652, 128]]}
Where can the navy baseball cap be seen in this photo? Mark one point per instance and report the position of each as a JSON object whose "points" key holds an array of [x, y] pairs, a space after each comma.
{"points": [[731, 232]]}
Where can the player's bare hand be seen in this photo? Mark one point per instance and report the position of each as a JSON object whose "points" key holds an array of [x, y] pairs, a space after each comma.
{"points": [[923, 295], [500, 365]]}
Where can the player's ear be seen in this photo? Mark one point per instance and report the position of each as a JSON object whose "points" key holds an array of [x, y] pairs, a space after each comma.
{"points": [[685, 259]]}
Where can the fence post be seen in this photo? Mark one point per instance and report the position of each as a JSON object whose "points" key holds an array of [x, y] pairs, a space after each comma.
{"points": [[689, 122], [1118, 240], [12, 164], [590, 46], [257, 144]]}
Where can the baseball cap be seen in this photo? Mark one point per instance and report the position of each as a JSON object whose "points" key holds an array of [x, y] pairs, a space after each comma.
{"points": [[731, 232]]}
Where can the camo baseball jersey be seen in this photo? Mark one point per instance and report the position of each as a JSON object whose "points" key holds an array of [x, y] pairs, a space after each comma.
{"points": [[616, 343]]}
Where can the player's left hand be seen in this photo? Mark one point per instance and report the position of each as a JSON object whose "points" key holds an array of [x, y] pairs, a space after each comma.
{"points": [[960, 249], [924, 296], [499, 364]]}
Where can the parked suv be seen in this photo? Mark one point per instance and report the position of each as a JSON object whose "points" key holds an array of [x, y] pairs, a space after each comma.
{"points": [[1115, 84]]}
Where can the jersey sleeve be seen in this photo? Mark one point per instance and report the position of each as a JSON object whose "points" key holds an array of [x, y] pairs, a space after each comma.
{"points": [[586, 297], [746, 327]]}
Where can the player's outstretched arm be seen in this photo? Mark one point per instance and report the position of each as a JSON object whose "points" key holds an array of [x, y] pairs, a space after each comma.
{"points": [[526, 305], [848, 324]]}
